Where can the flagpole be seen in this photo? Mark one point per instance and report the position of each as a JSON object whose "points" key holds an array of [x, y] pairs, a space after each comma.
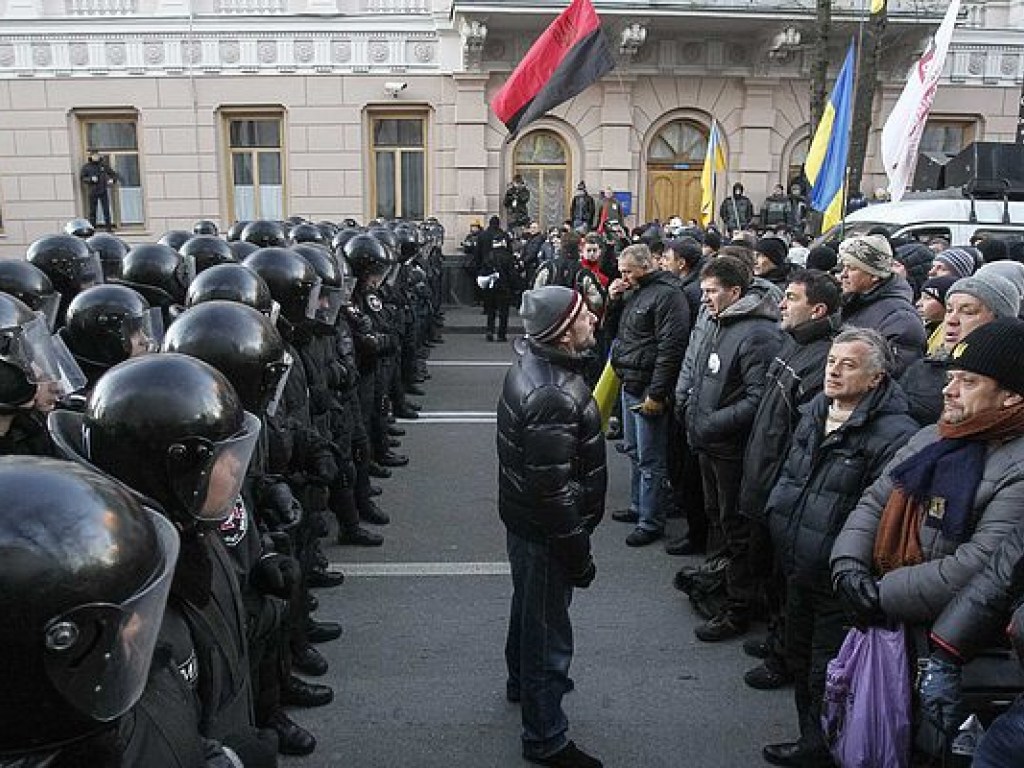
{"points": [[844, 194]]}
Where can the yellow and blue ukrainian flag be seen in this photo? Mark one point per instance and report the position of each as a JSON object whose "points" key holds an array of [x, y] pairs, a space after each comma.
{"points": [[714, 163], [825, 166]]}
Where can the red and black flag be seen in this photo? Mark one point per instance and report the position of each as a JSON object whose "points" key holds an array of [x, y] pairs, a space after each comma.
{"points": [[570, 56]]}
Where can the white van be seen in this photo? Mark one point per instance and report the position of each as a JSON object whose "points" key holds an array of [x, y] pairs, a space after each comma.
{"points": [[936, 214]]}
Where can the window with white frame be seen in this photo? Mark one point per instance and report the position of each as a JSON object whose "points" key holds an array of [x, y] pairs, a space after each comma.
{"points": [[398, 161], [115, 136], [255, 165]]}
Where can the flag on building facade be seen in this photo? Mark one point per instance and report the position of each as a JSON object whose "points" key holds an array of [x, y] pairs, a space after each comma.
{"points": [[825, 166], [571, 55], [877, 6], [901, 135], [714, 163]]}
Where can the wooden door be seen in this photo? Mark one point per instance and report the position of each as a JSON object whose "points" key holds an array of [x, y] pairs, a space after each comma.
{"points": [[673, 192]]}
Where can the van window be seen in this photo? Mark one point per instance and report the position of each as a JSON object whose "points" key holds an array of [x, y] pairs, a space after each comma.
{"points": [[1010, 236], [924, 234]]}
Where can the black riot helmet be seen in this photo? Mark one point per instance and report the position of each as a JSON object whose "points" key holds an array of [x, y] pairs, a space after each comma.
{"points": [[32, 287], [233, 282], [159, 273], [171, 428], [408, 239], [35, 367], [175, 238], [264, 234], [387, 237], [235, 231], [205, 227], [367, 256], [332, 288], [207, 251], [112, 250], [85, 571], [69, 262], [241, 249], [292, 282], [328, 229], [340, 240], [82, 228], [306, 233], [108, 324], [241, 343]]}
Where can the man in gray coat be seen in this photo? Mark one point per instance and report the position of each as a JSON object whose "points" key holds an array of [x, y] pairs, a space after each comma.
{"points": [[963, 479]]}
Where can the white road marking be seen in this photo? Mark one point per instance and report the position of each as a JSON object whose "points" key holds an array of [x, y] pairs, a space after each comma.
{"points": [[423, 569], [470, 363]]}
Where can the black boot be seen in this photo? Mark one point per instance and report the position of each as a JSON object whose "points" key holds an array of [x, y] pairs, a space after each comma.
{"points": [[292, 738]]}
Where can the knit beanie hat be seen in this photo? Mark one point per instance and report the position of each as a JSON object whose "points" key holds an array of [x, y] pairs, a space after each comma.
{"points": [[994, 350], [550, 311], [960, 260], [938, 287], [995, 292], [870, 253], [774, 249], [822, 257], [1011, 270]]}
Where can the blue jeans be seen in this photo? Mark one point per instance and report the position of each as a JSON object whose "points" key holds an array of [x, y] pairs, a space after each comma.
{"points": [[646, 441], [1003, 743], [538, 649]]}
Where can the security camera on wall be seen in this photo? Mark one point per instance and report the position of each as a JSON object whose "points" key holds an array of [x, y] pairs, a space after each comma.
{"points": [[394, 87]]}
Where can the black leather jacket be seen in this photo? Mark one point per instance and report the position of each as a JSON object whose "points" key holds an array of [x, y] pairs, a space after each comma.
{"points": [[552, 475]]}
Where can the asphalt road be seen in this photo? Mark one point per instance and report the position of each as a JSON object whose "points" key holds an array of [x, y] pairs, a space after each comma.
{"points": [[419, 673]]}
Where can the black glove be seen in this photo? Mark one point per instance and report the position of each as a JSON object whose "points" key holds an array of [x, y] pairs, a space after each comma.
{"points": [[573, 551], [280, 506], [275, 575], [858, 592]]}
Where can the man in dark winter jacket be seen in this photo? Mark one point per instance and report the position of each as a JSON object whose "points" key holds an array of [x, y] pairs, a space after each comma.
{"points": [[875, 297], [497, 277], [776, 209], [736, 211], [650, 317], [727, 386], [551, 487], [771, 261], [845, 438], [796, 375], [583, 208]]}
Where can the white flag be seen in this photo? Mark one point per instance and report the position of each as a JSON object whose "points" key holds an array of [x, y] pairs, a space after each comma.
{"points": [[901, 135]]}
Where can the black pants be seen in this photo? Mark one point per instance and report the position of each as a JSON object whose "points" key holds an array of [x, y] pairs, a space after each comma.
{"points": [[730, 531], [496, 304], [102, 199], [815, 629], [687, 487]]}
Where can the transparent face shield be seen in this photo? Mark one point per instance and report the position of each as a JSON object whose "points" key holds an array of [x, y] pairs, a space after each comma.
{"points": [[98, 655], [45, 360], [313, 299], [392, 274], [329, 305], [274, 312], [347, 286], [49, 304], [206, 476], [186, 272], [143, 334], [275, 377]]}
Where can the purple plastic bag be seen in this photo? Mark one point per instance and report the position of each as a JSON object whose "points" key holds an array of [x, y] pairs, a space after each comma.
{"points": [[866, 712]]}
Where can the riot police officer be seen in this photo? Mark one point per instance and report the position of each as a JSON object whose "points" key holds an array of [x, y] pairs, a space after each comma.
{"points": [[69, 262]]}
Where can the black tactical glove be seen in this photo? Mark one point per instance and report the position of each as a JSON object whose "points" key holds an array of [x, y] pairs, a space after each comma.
{"points": [[279, 506], [573, 551], [858, 591], [275, 575]]}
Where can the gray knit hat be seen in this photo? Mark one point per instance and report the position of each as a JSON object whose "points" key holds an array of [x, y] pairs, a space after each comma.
{"points": [[1011, 270], [995, 292], [960, 260], [550, 311], [870, 253]]}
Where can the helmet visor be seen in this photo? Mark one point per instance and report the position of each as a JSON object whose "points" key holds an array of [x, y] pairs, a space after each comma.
{"points": [[186, 272], [98, 655], [44, 358], [144, 333], [206, 476], [274, 380], [329, 306], [49, 304], [274, 312], [313, 302]]}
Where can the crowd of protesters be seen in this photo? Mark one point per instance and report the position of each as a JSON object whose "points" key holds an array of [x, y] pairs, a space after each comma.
{"points": [[838, 429]]}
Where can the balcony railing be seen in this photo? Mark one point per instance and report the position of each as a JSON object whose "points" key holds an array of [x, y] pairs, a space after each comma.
{"points": [[396, 6], [251, 7], [101, 7]]}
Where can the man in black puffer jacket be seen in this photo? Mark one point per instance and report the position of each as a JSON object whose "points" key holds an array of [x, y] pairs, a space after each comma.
{"points": [[551, 485], [649, 318], [845, 437]]}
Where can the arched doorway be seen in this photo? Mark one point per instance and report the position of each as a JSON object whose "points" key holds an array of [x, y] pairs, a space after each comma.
{"points": [[675, 158], [795, 167], [542, 158]]}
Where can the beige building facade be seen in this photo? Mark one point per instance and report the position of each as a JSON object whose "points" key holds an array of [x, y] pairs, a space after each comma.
{"points": [[327, 109]]}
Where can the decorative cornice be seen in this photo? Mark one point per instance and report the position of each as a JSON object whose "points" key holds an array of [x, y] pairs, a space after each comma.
{"points": [[210, 53]]}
